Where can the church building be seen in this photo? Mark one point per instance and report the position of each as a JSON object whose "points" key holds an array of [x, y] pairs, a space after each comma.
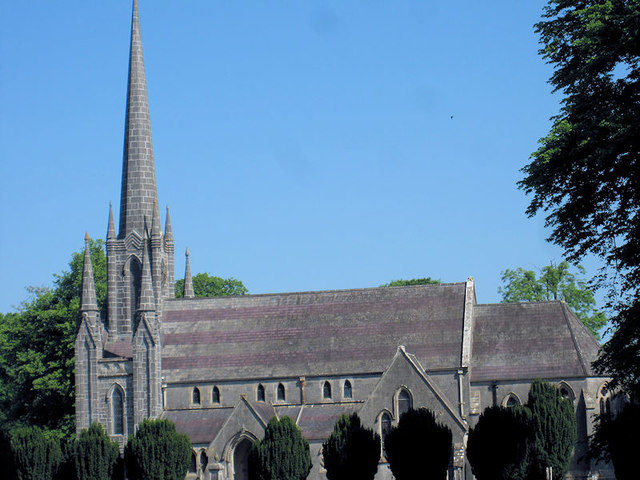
{"points": [[220, 368]]}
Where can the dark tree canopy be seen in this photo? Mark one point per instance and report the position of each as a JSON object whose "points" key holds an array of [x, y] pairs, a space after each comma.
{"points": [[36, 456], [37, 345], [205, 285], [616, 439], [413, 281], [554, 429], [96, 456], [498, 445], [419, 446], [585, 176], [283, 453], [556, 282], [157, 452], [351, 452]]}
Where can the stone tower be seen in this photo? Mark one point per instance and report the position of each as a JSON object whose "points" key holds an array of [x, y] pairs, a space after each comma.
{"points": [[125, 338]]}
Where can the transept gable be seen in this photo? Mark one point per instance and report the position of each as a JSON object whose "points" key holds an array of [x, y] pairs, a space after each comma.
{"points": [[244, 418], [406, 373]]}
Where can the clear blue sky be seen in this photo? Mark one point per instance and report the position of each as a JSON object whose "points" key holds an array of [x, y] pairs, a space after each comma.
{"points": [[301, 145]]}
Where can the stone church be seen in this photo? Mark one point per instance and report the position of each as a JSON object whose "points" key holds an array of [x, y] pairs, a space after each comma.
{"points": [[220, 368]]}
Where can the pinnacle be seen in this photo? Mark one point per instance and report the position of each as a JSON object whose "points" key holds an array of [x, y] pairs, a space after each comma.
{"points": [[88, 295], [187, 291]]}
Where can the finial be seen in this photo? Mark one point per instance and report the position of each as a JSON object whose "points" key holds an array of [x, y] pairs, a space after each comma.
{"points": [[187, 252], [86, 237]]}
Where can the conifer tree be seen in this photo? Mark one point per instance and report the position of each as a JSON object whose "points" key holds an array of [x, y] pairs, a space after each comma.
{"points": [[351, 452], [36, 456], [499, 444], [157, 452], [419, 447], [283, 453], [555, 431], [95, 454], [7, 465]]}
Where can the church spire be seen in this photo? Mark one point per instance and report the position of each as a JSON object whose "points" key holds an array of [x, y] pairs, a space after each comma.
{"points": [[187, 292], [111, 230], [88, 298], [138, 172]]}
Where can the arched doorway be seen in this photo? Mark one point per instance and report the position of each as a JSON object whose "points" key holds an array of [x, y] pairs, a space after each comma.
{"points": [[241, 460]]}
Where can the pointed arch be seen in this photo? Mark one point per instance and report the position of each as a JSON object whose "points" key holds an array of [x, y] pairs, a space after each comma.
{"points": [[215, 395], [260, 396], [566, 391], [133, 276], [117, 410], [347, 390], [204, 461], [195, 396], [404, 401], [511, 400], [326, 391], [192, 463], [281, 393]]}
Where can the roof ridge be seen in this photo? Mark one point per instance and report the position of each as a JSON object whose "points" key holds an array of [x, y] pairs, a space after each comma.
{"points": [[312, 292], [521, 303]]}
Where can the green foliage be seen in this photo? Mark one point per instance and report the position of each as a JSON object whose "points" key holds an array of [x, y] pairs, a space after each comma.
{"points": [[555, 431], [205, 285], [556, 282], [283, 453], [7, 465], [498, 446], [96, 455], [413, 281], [157, 452], [419, 446], [37, 345], [616, 440], [585, 174], [36, 456], [351, 452]]}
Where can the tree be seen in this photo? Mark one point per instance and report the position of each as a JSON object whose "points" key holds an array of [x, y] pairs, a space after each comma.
{"points": [[205, 285], [419, 446], [499, 444], [616, 440], [556, 282], [36, 456], [96, 455], [283, 453], [36, 349], [7, 465], [554, 427], [413, 281], [157, 452], [585, 174], [351, 452]]}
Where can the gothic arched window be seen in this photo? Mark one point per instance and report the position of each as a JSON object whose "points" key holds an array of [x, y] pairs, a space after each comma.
{"points": [[192, 463], [385, 425], [260, 394], [195, 396], [215, 395], [117, 411], [511, 402], [281, 393], [326, 390], [203, 461], [404, 402], [347, 391]]}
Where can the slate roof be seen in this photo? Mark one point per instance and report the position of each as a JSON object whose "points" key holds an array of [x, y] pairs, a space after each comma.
{"points": [[522, 341], [311, 333], [201, 425], [317, 421]]}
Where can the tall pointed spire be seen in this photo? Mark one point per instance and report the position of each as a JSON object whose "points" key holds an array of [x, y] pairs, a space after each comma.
{"points": [[88, 298], [187, 292], [147, 297], [156, 232], [138, 172]]}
